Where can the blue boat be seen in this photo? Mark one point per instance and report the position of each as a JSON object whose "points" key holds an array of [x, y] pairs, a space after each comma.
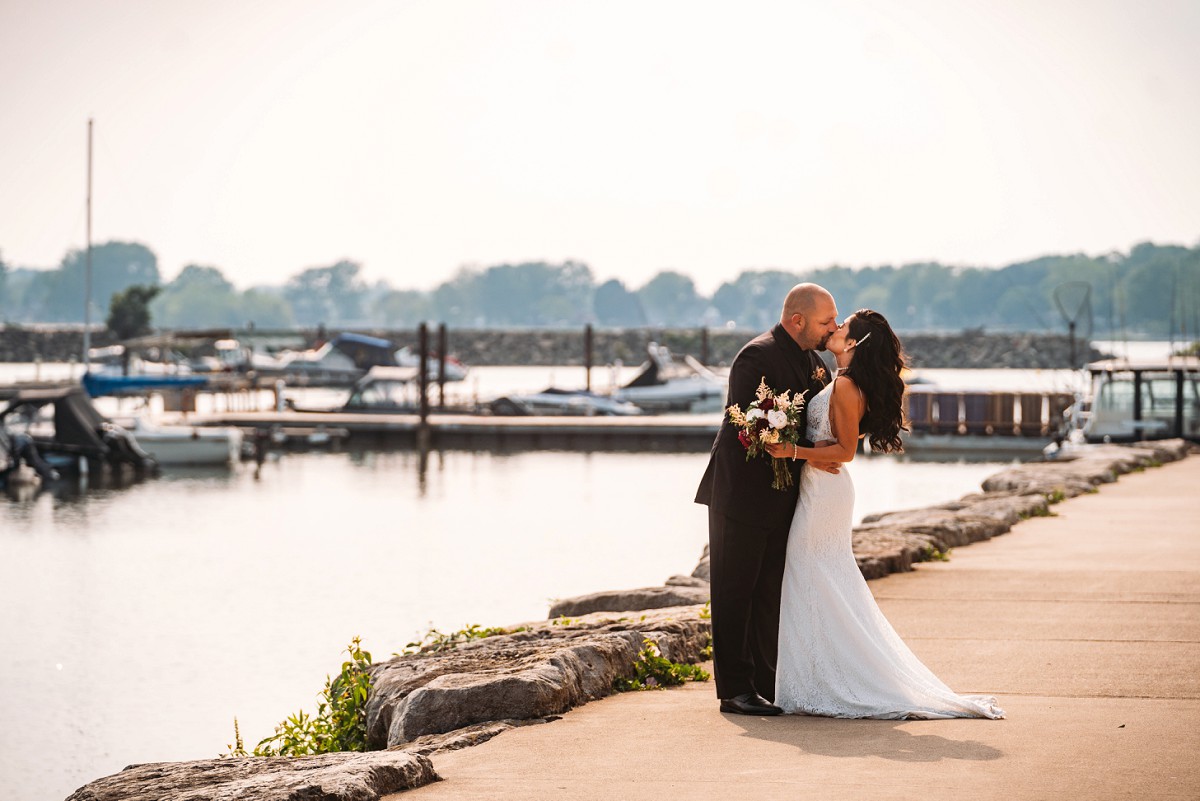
{"points": [[98, 384]]}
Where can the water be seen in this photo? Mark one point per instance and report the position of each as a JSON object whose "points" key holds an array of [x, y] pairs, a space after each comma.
{"points": [[139, 621]]}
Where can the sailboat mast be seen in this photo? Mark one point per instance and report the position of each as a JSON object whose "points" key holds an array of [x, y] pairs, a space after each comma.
{"points": [[87, 279]]}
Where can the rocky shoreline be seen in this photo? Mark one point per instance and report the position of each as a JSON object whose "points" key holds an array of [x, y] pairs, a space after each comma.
{"points": [[441, 699], [549, 347]]}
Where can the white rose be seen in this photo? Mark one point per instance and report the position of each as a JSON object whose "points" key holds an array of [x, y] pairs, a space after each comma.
{"points": [[754, 414], [776, 418]]}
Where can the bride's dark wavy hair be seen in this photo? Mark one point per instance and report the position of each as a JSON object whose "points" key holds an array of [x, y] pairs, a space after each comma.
{"points": [[876, 367]]}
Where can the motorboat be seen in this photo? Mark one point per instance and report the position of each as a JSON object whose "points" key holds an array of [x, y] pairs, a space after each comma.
{"points": [[99, 384], [1145, 400], [342, 360], [455, 370], [119, 360], [384, 390], [664, 385], [555, 401], [70, 434], [21, 466], [188, 445], [232, 356]]}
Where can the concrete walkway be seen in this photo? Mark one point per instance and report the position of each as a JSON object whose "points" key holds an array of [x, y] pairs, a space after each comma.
{"points": [[1086, 625]]}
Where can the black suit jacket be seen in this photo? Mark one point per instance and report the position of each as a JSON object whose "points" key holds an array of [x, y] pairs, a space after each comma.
{"points": [[741, 489]]}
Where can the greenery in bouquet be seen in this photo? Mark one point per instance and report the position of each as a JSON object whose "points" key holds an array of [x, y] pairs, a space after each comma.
{"points": [[771, 417]]}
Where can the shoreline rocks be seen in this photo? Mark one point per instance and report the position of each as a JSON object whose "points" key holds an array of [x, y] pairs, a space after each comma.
{"points": [[347, 775], [542, 670], [554, 347]]}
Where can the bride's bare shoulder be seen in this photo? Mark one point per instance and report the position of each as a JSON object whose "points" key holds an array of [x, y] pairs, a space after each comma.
{"points": [[845, 387]]}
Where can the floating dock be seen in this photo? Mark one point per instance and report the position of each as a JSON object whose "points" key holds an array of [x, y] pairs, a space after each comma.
{"points": [[650, 432]]}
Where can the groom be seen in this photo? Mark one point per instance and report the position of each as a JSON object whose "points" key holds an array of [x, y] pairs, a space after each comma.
{"points": [[748, 521]]}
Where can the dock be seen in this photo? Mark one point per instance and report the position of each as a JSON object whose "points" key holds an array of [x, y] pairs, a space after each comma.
{"points": [[650, 432]]}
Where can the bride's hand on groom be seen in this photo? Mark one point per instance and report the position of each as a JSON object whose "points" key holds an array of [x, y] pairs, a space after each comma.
{"points": [[828, 467], [784, 450]]}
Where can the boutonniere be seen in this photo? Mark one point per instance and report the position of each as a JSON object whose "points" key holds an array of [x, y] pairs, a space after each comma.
{"points": [[819, 374]]}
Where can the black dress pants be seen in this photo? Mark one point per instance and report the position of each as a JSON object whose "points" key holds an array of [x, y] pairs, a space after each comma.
{"points": [[746, 569]]}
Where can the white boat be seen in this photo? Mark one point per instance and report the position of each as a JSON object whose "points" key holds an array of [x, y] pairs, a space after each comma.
{"points": [[1143, 400], [187, 445], [455, 370], [555, 402], [664, 385]]}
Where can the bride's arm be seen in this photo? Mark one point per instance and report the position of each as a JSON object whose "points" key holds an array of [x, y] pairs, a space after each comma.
{"points": [[845, 412]]}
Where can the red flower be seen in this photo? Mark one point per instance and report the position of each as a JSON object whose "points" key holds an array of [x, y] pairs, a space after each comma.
{"points": [[767, 404], [744, 438]]}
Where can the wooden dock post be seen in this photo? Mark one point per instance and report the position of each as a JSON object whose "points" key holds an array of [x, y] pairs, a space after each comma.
{"points": [[588, 347], [441, 375], [423, 374]]}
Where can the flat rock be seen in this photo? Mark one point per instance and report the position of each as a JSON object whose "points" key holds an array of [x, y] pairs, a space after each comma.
{"points": [[327, 777], [687, 581], [631, 600], [544, 670]]}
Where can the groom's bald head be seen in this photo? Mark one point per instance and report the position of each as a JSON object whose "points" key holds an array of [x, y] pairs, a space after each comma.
{"points": [[809, 315]]}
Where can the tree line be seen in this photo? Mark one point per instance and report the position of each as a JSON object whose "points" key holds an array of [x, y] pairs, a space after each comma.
{"points": [[1153, 290]]}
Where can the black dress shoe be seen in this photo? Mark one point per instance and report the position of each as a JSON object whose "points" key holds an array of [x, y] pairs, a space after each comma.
{"points": [[749, 704]]}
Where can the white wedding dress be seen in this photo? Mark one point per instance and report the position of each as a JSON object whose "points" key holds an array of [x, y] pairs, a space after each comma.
{"points": [[838, 655]]}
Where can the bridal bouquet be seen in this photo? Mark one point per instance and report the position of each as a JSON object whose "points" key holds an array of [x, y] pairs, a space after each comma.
{"points": [[770, 418]]}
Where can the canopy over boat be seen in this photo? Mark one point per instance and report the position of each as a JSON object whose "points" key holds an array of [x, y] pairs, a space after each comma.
{"points": [[97, 384], [1135, 400]]}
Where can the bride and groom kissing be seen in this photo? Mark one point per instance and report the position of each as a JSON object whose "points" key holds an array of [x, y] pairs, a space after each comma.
{"points": [[795, 627]]}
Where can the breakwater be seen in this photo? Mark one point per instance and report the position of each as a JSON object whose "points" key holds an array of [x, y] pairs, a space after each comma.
{"points": [[546, 347]]}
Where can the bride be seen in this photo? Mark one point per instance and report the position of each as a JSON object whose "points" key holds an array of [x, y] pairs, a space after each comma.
{"points": [[838, 655]]}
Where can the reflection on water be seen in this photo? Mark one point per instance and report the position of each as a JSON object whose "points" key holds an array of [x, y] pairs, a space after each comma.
{"points": [[140, 619]]}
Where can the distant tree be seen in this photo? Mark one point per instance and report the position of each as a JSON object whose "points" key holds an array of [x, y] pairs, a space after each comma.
{"points": [[755, 298], [1157, 278], [401, 308], [535, 293], [455, 301], [670, 298], [529, 293], [129, 311], [613, 304], [332, 295], [265, 307], [115, 267], [198, 297], [730, 302], [19, 294]]}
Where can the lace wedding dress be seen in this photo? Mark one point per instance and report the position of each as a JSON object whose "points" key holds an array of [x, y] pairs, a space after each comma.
{"points": [[838, 655]]}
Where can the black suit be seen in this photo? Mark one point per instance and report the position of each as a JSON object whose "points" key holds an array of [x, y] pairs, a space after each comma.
{"points": [[749, 521]]}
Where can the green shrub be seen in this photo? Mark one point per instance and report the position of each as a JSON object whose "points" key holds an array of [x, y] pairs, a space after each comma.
{"points": [[435, 641], [340, 723], [653, 671]]}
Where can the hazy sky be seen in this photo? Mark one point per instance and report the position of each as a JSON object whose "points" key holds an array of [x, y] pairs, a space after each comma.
{"points": [[417, 137]]}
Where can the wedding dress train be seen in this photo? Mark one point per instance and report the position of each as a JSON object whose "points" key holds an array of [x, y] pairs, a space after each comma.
{"points": [[838, 655]]}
